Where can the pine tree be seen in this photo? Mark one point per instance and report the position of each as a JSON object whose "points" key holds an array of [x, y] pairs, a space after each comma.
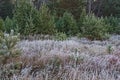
{"points": [[8, 25], [46, 21], [7, 46], [25, 16], [67, 24]]}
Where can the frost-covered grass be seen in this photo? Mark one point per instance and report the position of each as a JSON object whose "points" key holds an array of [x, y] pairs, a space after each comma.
{"points": [[68, 60]]}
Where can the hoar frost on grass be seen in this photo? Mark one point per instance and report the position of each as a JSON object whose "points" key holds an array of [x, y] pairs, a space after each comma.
{"points": [[68, 60]]}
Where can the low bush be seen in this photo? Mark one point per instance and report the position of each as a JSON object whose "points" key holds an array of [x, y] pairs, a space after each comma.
{"points": [[60, 36]]}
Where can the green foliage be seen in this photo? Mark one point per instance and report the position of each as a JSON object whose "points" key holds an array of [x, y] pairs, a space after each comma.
{"points": [[1, 24], [27, 20], [8, 52], [31, 21], [29, 27], [109, 49], [6, 8], [7, 46], [79, 35], [60, 36], [45, 24], [8, 25], [73, 6], [111, 7], [104, 7], [114, 27], [25, 15], [80, 20], [67, 24], [1, 34], [94, 28], [60, 25]]}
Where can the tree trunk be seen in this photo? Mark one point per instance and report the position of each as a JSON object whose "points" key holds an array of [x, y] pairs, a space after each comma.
{"points": [[89, 6]]}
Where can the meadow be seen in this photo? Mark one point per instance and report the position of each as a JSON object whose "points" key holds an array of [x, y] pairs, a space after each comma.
{"points": [[72, 59]]}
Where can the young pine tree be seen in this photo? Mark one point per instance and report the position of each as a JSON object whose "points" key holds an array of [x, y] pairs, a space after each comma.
{"points": [[7, 46], [94, 28], [8, 25], [46, 24], [25, 16], [67, 24]]}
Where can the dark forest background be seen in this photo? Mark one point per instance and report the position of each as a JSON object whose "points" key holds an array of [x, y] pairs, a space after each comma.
{"points": [[90, 18]]}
